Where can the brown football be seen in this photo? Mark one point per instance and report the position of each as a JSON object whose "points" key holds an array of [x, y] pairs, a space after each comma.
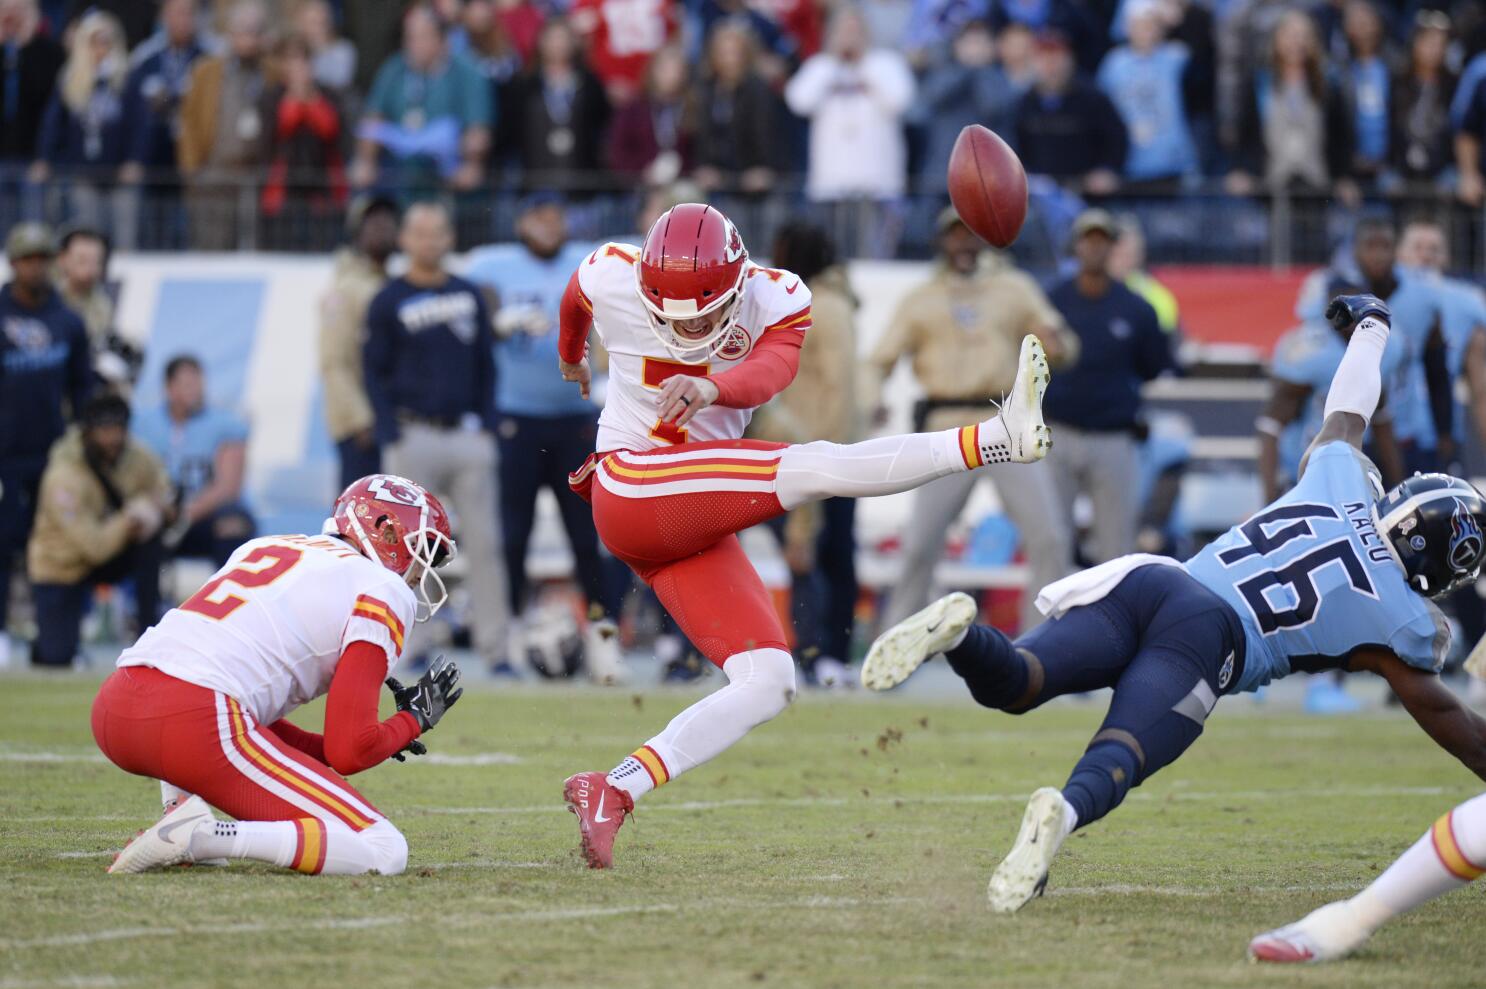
{"points": [[987, 185]]}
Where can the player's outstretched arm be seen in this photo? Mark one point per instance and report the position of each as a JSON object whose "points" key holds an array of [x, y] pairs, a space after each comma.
{"points": [[1358, 382], [1454, 727], [574, 320], [354, 737]]}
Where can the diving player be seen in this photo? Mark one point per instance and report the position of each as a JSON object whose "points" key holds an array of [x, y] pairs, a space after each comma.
{"points": [[1327, 577]]}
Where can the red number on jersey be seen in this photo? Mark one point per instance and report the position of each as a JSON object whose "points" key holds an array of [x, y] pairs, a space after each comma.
{"points": [[281, 561], [654, 373]]}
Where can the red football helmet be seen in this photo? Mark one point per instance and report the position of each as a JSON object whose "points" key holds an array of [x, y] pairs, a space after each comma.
{"points": [[690, 277], [397, 523]]}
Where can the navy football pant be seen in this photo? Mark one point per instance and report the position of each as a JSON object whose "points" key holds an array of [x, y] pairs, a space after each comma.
{"points": [[1168, 646]]}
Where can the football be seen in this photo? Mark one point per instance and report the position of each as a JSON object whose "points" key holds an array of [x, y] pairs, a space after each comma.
{"points": [[987, 185]]}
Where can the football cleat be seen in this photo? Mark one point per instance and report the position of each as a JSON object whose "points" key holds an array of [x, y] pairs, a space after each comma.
{"points": [[601, 808], [167, 841], [1023, 873], [1028, 438], [915, 640], [1325, 934]]}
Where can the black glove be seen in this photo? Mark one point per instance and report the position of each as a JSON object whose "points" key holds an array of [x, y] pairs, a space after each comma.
{"points": [[1346, 311], [416, 747], [430, 697]]}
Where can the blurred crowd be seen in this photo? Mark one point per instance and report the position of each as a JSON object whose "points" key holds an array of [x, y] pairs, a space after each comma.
{"points": [[272, 113]]}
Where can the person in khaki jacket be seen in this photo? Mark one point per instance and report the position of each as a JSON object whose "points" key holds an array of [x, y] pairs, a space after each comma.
{"points": [[962, 330], [225, 126], [360, 272], [102, 502], [819, 539]]}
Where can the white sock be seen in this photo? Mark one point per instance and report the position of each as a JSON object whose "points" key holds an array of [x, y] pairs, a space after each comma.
{"points": [[1450, 855], [1070, 818], [883, 466], [307, 845], [170, 795], [761, 683], [273, 842]]}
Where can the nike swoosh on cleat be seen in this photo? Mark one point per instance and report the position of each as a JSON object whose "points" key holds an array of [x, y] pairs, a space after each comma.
{"points": [[598, 815], [934, 627], [165, 832]]}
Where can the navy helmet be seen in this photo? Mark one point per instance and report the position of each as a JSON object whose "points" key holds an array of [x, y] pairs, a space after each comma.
{"points": [[1432, 523]]}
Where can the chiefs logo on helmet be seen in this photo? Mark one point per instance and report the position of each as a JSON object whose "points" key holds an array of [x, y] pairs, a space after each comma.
{"points": [[397, 523]]}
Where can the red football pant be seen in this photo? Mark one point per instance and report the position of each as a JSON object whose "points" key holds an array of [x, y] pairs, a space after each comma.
{"points": [[672, 514], [200, 740]]}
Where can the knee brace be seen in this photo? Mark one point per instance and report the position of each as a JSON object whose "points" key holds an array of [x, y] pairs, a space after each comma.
{"points": [[768, 675]]}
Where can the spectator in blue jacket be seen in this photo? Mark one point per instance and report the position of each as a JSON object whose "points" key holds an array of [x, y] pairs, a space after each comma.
{"points": [[1144, 79], [968, 88], [1096, 404], [160, 71], [45, 371], [430, 375], [1366, 77], [204, 449], [83, 139], [1066, 128]]}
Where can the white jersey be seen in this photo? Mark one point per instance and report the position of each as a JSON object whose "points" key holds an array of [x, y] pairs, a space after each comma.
{"points": [[269, 628], [639, 364]]}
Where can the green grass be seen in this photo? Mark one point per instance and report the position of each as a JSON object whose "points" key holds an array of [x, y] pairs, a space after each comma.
{"points": [[825, 850]]}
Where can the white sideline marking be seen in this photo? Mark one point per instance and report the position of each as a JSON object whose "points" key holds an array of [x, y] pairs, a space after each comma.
{"points": [[466, 920], [1132, 889], [88, 855], [13, 756], [475, 759], [67, 982], [1173, 794], [489, 864]]}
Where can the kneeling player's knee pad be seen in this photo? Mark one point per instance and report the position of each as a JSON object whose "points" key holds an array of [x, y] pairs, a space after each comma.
{"points": [[768, 675], [389, 848]]}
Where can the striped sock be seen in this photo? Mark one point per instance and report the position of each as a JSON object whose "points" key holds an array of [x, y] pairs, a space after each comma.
{"points": [[1449, 856], [639, 773]]}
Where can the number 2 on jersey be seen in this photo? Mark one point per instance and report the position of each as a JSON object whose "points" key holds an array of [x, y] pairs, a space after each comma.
{"points": [[280, 560]]}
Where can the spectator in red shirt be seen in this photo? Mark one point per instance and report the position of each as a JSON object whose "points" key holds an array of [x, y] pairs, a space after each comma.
{"points": [[650, 138], [621, 36], [306, 178]]}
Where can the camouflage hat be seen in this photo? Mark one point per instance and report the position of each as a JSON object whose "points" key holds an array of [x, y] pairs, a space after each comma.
{"points": [[29, 240]]}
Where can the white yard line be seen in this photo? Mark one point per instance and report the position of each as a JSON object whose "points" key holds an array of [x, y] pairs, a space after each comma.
{"points": [[472, 759], [11, 755], [1174, 794], [1133, 889], [458, 920]]}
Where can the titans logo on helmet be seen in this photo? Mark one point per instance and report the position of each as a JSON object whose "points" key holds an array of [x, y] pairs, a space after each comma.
{"points": [[1465, 538]]}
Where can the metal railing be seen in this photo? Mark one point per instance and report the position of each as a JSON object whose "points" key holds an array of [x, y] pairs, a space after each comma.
{"points": [[1199, 225]]}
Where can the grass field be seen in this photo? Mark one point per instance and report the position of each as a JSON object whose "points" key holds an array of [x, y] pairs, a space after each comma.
{"points": [[847, 844]]}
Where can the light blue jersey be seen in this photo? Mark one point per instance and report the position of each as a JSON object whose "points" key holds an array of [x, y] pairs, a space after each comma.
{"points": [[530, 290], [1312, 581], [1308, 356], [189, 449]]}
